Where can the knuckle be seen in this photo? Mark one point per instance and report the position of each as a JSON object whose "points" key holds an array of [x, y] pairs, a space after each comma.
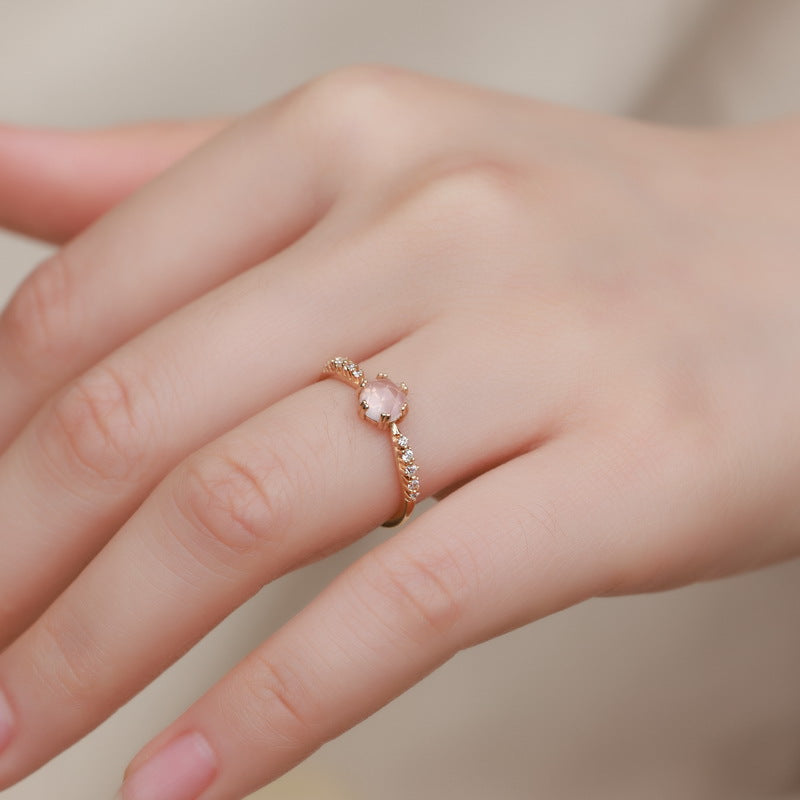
{"points": [[38, 321], [351, 87], [278, 701], [465, 206], [476, 192], [362, 109], [95, 425], [65, 658], [236, 504], [420, 594]]}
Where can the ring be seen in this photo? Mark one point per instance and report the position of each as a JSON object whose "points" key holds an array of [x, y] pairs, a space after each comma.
{"points": [[383, 403]]}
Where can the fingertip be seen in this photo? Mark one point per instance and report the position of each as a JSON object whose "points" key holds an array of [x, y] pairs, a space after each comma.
{"points": [[180, 770]]}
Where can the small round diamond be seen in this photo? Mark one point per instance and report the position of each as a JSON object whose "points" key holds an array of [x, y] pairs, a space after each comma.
{"points": [[408, 456], [411, 470], [413, 484], [402, 442]]}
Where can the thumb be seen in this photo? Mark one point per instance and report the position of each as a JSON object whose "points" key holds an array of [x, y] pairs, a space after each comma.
{"points": [[53, 183]]}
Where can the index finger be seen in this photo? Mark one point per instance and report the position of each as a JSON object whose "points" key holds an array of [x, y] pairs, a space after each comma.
{"points": [[56, 182], [207, 218]]}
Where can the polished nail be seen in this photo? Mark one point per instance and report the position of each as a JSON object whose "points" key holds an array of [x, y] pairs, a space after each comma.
{"points": [[181, 770], [6, 721]]}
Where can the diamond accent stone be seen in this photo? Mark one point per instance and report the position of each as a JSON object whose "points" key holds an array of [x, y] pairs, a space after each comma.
{"points": [[411, 470], [402, 442], [408, 456], [413, 484]]}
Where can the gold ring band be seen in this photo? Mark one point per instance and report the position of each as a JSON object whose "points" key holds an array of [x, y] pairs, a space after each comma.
{"points": [[383, 403]]}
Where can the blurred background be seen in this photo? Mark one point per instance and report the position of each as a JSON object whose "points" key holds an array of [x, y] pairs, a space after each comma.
{"points": [[691, 694]]}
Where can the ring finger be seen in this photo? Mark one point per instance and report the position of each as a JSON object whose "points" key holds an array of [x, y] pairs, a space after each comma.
{"points": [[296, 481], [98, 448]]}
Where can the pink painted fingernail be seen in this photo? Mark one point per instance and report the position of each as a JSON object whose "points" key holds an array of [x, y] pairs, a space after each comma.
{"points": [[6, 721], [181, 770]]}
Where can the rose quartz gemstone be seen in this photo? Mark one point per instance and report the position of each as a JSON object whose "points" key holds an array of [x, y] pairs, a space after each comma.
{"points": [[383, 397]]}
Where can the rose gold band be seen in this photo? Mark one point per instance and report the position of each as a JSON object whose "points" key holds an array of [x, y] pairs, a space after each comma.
{"points": [[383, 403]]}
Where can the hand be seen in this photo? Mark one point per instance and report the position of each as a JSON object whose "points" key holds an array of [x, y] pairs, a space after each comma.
{"points": [[596, 318]]}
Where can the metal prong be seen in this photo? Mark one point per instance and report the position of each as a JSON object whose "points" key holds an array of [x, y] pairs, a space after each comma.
{"points": [[364, 404], [382, 375], [404, 388]]}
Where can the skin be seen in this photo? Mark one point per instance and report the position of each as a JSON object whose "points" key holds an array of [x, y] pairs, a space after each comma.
{"points": [[597, 320]]}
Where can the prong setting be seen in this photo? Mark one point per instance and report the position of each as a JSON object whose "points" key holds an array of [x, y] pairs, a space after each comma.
{"points": [[383, 403]]}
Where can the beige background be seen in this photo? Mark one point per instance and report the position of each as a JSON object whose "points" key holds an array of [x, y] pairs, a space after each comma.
{"points": [[688, 694]]}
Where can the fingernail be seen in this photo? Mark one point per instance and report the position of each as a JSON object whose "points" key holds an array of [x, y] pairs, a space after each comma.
{"points": [[181, 770], [6, 721]]}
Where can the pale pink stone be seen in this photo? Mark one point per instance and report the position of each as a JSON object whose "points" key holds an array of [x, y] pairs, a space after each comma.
{"points": [[382, 397]]}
